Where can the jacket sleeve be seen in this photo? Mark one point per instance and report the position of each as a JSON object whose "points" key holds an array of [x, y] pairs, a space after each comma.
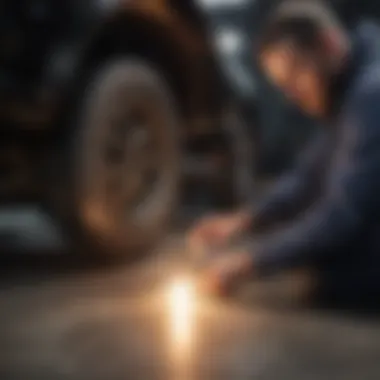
{"points": [[294, 190], [349, 200]]}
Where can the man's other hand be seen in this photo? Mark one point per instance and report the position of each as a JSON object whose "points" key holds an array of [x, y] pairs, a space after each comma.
{"points": [[225, 272]]}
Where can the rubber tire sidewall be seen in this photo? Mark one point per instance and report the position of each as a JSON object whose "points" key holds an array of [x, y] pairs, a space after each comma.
{"points": [[85, 217]]}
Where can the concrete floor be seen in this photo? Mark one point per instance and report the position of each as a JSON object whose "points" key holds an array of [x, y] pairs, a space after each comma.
{"points": [[61, 320]]}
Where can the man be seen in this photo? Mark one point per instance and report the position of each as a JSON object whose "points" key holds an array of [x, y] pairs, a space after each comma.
{"points": [[326, 214]]}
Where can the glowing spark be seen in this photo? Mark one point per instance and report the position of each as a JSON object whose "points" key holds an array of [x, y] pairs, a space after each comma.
{"points": [[181, 298]]}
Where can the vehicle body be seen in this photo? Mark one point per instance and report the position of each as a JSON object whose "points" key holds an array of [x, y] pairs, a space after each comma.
{"points": [[61, 63]]}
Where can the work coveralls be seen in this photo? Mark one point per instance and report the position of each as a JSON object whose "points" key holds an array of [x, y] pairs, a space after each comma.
{"points": [[326, 213]]}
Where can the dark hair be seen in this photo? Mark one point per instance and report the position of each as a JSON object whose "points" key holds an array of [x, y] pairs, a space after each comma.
{"points": [[301, 26], [302, 32]]}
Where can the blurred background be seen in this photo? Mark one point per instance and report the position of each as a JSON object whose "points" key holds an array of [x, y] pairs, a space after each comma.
{"points": [[121, 123]]}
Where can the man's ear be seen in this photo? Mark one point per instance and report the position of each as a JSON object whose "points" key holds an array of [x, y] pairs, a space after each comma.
{"points": [[334, 48]]}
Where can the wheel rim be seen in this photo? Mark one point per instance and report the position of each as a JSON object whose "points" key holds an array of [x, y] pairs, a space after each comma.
{"points": [[132, 162], [127, 174]]}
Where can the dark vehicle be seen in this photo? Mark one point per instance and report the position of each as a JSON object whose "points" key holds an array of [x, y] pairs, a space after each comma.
{"points": [[99, 99], [102, 102]]}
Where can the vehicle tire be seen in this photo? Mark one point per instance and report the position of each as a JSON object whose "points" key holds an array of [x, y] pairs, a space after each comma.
{"points": [[121, 186]]}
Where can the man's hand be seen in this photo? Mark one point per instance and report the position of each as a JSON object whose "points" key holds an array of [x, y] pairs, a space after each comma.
{"points": [[216, 231], [226, 272]]}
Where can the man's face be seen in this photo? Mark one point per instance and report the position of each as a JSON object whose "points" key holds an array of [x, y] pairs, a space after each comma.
{"points": [[299, 78]]}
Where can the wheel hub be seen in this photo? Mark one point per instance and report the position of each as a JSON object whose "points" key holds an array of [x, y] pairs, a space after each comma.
{"points": [[133, 169]]}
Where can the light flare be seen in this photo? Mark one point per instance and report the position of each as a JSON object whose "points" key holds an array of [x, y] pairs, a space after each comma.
{"points": [[182, 307]]}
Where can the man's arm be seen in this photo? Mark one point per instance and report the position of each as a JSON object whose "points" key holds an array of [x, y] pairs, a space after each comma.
{"points": [[294, 191], [350, 199]]}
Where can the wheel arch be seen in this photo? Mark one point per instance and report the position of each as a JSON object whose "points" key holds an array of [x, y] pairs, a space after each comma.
{"points": [[147, 38]]}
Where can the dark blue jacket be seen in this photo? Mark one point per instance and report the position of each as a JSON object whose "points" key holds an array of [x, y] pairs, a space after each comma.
{"points": [[330, 205]]}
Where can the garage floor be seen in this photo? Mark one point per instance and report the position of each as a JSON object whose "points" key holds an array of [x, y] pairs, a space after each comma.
{"points": [[63, 320]]}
